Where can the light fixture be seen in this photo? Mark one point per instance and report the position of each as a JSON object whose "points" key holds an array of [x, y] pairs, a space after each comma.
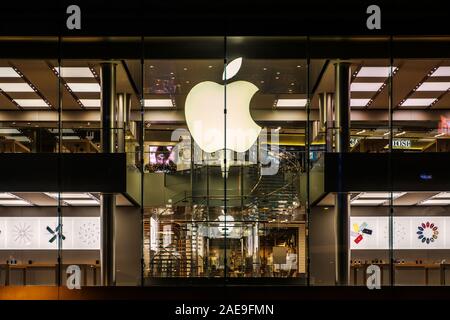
{"points": [[434, 86], [84, 87], [386, 133], [365, 86], [375, 72], [14, 202], [435, 202], [440, 195], [54, 195], [359, 102], [82, 202], [7, 195], [418, 102], [361, 132], [291, 102], [400, 133], [380, 195], [16, 87], [440, 135], [368, 201], [441, 72], [158, 103], [91, 103], [8, 72], [36, 103], [74, 72], [70, 137]]}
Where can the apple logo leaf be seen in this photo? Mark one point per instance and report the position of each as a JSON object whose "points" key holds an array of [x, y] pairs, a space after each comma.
{"points": [[232, 69]]}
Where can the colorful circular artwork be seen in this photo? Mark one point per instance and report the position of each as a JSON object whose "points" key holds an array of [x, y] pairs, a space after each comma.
{"points": [[427, 232]]}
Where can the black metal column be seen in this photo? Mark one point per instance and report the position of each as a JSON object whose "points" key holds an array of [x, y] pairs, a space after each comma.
{"points": [[342, 204], [108, 200]]}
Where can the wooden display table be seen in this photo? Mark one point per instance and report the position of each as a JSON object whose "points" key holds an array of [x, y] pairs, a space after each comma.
{"points": [[25, 268], [402, 266]]}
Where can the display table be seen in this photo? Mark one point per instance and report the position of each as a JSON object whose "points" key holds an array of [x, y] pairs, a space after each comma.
{"points": [[402, 266], [27, 268]]}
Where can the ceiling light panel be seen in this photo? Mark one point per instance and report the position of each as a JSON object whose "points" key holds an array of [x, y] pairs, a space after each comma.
{"points": [[359, 102], [380, 195], [54, 195], [14, 202], [8, 72], [435, 202], [375, 72], [16, 87], [158, 103], [91, 103], [434, 86], [368, 202], [31, 103], [81, 202], [291, 102], [418, 102], [7, 195], [84, 87], [365, 86], [75, 72], [445, 195], [441, 72]]}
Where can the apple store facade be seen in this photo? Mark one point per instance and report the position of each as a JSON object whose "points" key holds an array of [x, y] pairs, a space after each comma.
{"points": [[300, 160]]}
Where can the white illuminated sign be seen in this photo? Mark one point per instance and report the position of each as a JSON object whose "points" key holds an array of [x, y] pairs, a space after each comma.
{"points": [[401, 143], [205, 118], [421, 232], [43, 233]]}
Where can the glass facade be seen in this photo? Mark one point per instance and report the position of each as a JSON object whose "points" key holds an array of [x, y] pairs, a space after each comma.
{"points": [[262, 160]]}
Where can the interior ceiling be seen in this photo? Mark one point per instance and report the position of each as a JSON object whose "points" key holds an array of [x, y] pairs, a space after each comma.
{"points": [[275, 78], [409, 74], [406, 199], [42, 200]]}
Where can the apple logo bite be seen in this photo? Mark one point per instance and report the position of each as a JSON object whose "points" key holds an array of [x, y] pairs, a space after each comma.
{"points": [[204, 112]]}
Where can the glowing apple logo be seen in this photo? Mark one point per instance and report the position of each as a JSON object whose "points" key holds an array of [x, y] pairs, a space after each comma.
{"points": [[204, 111]]}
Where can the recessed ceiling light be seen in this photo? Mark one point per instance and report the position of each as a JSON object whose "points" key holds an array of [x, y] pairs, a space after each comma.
{"points": [[359, 102], [375, 72], [368, 201], [435, 202], [7, 195], [361, 132], [70, 137], [8, 72], [74, 72], [185, 69], [291, 102], [418, 102], [365, 86], [31, 103], [441, 72], [69, 195], [81, 202], [157, 103], [16, 87], [84, 87], [380, 195], [434, 86], [442, 195], [209, 67], [14, 202], [91, 103], [400, 133]]}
